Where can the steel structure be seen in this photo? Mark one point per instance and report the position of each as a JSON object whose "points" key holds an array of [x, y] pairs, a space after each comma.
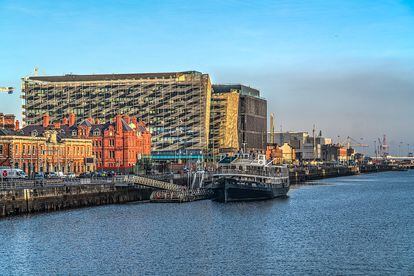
{"points": [[175, 106], [7, 89]]}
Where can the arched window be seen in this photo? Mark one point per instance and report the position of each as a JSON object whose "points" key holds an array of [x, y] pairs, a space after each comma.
{"points": [[35, 133], [96, 132], [74, 132]]}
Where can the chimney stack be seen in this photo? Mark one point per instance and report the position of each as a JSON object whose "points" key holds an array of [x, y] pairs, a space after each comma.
{"points": [[118, 124], [64, 121], [96, 121], [17, 125], [46, 120], [56, 125], [72, 119]]}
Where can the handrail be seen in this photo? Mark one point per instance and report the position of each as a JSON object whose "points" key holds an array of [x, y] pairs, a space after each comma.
{"points": [[144, 181]]}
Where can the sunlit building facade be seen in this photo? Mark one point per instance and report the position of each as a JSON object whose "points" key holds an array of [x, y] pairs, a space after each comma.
{"points": [[175, 106]]}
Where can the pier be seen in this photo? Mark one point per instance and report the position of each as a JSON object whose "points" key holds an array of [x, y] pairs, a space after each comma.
{"points": [[53, 198]]}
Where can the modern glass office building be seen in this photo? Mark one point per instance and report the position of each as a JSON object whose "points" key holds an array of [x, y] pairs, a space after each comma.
{"points": [[175, 106]]}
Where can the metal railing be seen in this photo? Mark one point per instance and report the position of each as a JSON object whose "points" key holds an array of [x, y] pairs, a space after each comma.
{"points": [[149, 182], [252, 172], [9, 184]]}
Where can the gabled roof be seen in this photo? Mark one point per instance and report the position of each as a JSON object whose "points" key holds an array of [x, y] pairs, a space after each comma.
{"points": [[85, 123], [66, 132], [5, 132]]}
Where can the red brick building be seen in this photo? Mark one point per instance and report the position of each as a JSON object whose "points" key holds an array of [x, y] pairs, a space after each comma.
{"points": [[7, 121], [116, 145]]}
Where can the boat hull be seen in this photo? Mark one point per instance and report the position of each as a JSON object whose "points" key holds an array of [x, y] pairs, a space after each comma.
{"points": [[229, 190]]}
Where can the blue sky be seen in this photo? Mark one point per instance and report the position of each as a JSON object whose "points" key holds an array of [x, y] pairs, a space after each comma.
{"points": [[346, 66]]}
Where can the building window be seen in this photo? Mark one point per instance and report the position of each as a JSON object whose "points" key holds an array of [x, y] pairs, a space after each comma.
{"points": [[74, 132], [34, 133], [96, 132], [1, 149]]}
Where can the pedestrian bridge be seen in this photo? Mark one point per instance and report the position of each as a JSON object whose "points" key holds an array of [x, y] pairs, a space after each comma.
{"points": [[152, 183]]}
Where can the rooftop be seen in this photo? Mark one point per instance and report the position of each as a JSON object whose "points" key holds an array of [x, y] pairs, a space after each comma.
{"points": [[106, 77], [240, 88]]}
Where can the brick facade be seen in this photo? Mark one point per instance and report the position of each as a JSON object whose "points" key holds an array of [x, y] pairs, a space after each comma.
{"points": [[46, 152], [116, 145], [7, 121]]}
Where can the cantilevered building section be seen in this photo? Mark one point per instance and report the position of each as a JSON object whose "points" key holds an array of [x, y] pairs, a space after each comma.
{"points": [[242, 106], [175, 106]]}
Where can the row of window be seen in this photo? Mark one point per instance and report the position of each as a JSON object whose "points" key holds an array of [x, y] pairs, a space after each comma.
{"points": [[32, 150]]}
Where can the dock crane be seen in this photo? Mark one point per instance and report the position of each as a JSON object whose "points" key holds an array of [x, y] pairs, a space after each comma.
{"points": [[351, 142], [8, 89], [383, 146]]}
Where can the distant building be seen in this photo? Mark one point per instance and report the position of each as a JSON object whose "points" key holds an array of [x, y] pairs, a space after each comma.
{"points": [[7, 121], [334, 153], [306, 147], [242, 106], [280, 154], [288, 153], [45, 149], [274, 154], [175, 106]]}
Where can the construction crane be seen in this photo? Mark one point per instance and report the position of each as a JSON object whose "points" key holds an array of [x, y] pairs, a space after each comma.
{"points": [[8, 89], [383, 146], [351, 142]]}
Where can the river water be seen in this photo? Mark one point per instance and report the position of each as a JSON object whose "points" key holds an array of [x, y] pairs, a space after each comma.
{"points": [[352, 225]]}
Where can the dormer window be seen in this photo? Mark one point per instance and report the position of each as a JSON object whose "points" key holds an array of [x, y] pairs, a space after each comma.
{"points": [[74, 133], [35, 133], [96, 132]]}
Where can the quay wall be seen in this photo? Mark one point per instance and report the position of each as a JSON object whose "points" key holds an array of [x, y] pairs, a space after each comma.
{"points": [[302, 175], [46, 199]]}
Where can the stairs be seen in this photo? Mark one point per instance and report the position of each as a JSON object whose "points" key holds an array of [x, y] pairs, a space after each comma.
{"points": [[149, 182]]}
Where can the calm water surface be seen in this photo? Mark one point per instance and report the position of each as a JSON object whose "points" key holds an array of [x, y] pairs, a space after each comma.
{"points": [[352, 225]]}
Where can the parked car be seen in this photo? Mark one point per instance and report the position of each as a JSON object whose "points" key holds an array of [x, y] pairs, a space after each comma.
{"points": [[60, 174], [13, 174], [111, 174], [71, 175], [99, 174], [39, 177], [51, 175], [85, 175]]}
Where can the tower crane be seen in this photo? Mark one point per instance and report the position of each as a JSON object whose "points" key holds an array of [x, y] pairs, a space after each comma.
{"points": [[8, 89]]}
